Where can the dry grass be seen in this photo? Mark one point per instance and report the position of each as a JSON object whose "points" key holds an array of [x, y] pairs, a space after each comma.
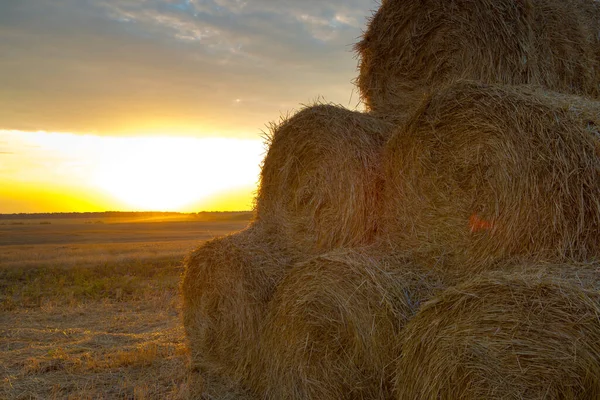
{"points": [[97, 254], [484, 173], [104, 349], [74, 231], [109, 332], [95, 320], [321, 179], [413, 47], [527, 333]]}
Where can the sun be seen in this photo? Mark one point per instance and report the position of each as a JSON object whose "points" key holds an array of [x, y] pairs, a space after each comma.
{"points": [[168, 174]]}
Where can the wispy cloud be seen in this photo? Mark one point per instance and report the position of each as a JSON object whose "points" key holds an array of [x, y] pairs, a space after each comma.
{"points": [[160, 66]]}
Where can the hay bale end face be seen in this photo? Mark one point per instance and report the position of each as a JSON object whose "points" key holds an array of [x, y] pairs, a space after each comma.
{"points": [[483, 173], [524, 335], [333, 327], [227, 286], [321, 181], [412, 47]]}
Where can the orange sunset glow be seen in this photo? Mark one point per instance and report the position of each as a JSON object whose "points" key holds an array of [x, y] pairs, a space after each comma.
{"points": [[161, 104], [54, 171]]}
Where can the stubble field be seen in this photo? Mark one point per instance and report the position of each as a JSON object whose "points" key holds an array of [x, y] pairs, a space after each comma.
{"points": [[90, 307]]}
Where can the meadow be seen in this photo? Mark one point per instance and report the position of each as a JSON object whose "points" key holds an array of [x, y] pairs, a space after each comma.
{"points": [[90, 306]]}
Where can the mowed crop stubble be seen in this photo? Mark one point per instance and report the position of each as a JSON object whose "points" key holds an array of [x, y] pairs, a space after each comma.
{"points": [[90, 306]]}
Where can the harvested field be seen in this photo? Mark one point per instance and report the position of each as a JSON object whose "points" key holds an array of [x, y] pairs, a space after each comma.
{"points": [[93, 319], [96, 228], [82, 332]]}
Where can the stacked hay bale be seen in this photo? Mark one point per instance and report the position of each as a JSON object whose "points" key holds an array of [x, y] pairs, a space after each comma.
{"points": [[488, 172], [412, 47], [321, 186], [531, 332], [362, 218], [321, 181], [331, 329], [227, 286]]}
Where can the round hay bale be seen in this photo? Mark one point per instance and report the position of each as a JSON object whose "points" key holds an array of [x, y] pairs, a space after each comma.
{"points": [[412, 47], [227, 286], [483, 173], [320, 185], [331, 332], [528, 334]]}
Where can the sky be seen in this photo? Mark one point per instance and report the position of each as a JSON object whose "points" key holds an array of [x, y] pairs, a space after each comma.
{"points": [[159, 104]]}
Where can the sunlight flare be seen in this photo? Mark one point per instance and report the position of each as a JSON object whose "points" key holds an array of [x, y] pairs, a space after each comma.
{"points": [[169, 173], [142, 173]]}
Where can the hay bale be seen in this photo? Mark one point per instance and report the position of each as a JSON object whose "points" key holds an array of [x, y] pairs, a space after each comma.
{"points": [[227, 286], [529, 334], [331, 332], [483, 173], [412, 47], [320, 185]]}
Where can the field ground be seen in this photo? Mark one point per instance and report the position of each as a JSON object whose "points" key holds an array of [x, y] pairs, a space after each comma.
{"points": [[95, 313]]}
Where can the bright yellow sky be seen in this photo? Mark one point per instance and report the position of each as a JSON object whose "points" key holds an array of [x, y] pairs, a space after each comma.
{"points": [[56, 172]]}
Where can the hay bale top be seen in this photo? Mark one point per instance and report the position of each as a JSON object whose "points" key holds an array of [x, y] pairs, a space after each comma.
{"points": [[412, 47]]}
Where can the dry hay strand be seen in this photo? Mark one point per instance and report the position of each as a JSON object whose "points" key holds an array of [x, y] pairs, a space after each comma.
{"points": [[332, 329], [532, 333], [412, 47], [321, 181], [227, 285], [483, 173], [204, 386]]}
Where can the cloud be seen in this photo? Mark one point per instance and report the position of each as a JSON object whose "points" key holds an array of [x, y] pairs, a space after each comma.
{"points": [[160, 66]]}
